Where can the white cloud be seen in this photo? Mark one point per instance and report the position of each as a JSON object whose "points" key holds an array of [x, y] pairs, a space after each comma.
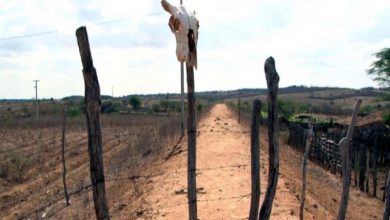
{"points": [[326, 43]]}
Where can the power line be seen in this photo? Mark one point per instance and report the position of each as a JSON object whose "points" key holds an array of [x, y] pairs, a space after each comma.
{"points": [[28, 35], [56, 31]]}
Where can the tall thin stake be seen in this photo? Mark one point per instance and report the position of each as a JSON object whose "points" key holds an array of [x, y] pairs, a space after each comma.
{"points": [[346, 162], [191, 133], [63, 157], [386, 214], [255, 158], [304, 163]]}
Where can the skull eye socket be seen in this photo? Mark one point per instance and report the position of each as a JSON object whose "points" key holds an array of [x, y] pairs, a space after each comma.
{"points": [[191, 40]]}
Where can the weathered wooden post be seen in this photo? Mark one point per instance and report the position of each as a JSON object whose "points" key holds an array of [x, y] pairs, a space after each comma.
{"points": [[63, 158], [374, 161], [386, 214], [346, 162], [93, 105], [191, 138], [384, 191], [255, 158], [356, 165], [309, 138], [273, 137], [368, 170]]}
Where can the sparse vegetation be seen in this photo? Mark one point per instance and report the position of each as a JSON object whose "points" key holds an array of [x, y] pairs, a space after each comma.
{"points": [[380, 69], [14, 165], [386, 119], [135, 102]]}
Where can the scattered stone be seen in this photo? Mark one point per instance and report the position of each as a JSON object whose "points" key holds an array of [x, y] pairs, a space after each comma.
{"points": [[139, 213], [180, 192], [122, 206]]}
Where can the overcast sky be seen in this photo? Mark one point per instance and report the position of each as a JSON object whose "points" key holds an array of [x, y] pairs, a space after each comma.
{"points": [[314, 43]]}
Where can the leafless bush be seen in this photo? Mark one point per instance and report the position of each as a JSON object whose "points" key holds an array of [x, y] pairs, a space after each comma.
{"points": [[14, 166]]}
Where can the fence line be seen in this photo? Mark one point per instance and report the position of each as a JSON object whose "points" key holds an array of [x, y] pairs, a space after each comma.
{"points": [[88, 186]]}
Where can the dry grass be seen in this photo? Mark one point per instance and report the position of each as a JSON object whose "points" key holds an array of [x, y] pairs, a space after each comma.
{"points": [[31, 152]]}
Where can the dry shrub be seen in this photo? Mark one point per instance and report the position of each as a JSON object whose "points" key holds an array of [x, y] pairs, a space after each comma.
{"points": [[14, 166]]}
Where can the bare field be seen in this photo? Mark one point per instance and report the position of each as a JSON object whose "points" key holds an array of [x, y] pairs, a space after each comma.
{"points": [[32, 185]]}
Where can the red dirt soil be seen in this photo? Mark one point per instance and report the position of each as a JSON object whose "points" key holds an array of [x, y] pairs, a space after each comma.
{"points": [[223, 179]]}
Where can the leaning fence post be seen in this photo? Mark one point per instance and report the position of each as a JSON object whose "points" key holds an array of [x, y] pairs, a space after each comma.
{"points": [[191, 131], [255, 157], [93, 105], [63, 157], [309, 138], [386, 214], [346, 162], [273, 131]]}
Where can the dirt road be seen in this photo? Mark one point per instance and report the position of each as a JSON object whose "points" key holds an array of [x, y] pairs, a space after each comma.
{"points": [[223, 179]]}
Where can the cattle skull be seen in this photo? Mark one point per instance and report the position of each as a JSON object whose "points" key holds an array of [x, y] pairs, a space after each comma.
{"points": [[185, 27]]}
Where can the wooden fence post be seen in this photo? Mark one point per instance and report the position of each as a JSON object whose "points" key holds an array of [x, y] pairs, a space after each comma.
{"points": [[93, 105], [255, 164], [368, 157], [374, 175], [384, 191], [356, 165], [346, 162], [273, 131], [386, 214], [309, 138], [63, 157], [191, 138]]}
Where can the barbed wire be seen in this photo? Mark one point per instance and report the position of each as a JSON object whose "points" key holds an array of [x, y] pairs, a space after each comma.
{"points": [[88, 186], [174, 205]]}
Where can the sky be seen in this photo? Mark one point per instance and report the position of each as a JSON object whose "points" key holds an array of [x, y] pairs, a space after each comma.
{"points": [[314, 43]]}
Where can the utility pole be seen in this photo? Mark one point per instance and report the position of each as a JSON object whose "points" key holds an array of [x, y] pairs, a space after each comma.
{"points": [[112, 91], [182, 97], [239, 107], [36, 96]]}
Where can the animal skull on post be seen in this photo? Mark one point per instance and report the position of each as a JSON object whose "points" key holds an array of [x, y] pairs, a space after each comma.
{"points": [[185, 27]]}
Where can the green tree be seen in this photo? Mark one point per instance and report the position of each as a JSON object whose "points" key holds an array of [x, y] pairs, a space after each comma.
{"points": [[135, 102], [380, 69], [286, 108]]}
